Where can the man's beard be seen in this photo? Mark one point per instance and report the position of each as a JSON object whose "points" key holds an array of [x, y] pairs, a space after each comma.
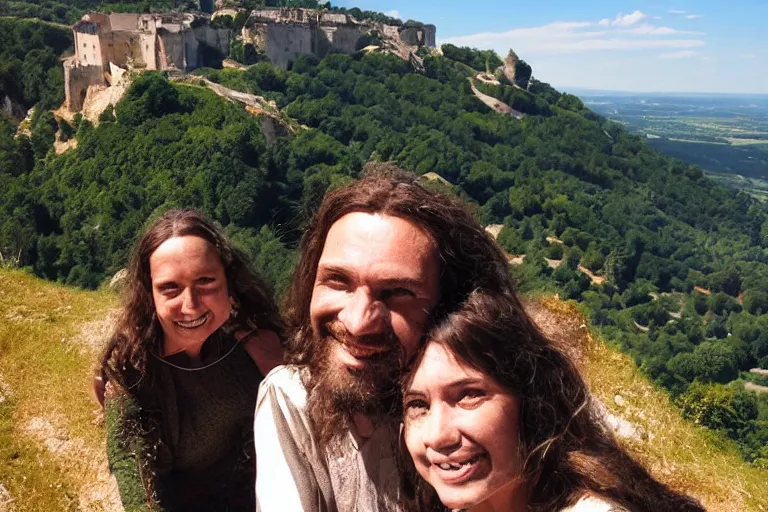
{"points": [[336, 394]]}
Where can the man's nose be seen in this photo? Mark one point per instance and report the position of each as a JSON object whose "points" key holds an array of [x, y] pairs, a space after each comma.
{"points": [[440, 434], [364, 314]]}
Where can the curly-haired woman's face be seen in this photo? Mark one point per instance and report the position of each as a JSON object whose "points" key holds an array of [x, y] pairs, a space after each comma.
{"points": [[189, 288], [461, 429]]}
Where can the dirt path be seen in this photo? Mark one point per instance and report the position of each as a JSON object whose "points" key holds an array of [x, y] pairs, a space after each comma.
{"points": [[257, 105], [751, 386], [598, 280], [493, 103], [99, 490]]}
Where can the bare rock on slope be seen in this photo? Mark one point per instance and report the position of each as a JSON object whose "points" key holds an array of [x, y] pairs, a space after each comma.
{"points": [[99, 491], [6, 501]]}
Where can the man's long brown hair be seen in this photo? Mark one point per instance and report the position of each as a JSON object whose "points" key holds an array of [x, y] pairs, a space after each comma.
{"points": [[469, 258], [565, 449], [138, 332]]}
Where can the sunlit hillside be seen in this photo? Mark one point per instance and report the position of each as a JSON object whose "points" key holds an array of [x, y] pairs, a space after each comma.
{"points": [[51, 439], [51, 442]]}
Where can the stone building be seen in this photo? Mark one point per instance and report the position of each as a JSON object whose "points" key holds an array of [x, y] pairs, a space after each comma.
{"points": [[107, 44], [165, 42], [284, 33]]}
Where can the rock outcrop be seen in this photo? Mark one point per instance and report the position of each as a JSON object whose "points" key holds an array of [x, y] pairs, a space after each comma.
{"points": [[514, 71]]}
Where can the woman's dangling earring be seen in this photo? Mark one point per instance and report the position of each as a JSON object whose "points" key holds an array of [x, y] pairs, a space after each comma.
{"points": [[235, 308]]}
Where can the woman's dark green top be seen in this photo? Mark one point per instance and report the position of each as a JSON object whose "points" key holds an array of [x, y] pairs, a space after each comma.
{"points": [[204, 428]]}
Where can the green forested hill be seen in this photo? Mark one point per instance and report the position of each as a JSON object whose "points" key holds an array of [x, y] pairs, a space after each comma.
{"points": [[572, 191]]}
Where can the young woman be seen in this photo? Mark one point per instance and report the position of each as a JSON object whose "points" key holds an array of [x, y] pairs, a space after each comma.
{"points": [[497, 418], [181, 373]]}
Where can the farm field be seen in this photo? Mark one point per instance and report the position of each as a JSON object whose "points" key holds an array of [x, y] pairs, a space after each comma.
{"points": [[725, 135]]}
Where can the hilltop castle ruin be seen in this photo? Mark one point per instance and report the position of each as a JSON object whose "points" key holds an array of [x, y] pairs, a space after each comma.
{"points": [[108, 44], [104, 43]]}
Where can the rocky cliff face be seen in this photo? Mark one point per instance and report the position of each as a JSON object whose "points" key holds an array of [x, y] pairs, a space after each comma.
{"points": [[282, 34]]}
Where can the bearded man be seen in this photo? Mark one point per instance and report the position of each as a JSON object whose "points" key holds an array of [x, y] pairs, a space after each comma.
{"points": [[381, 261]]}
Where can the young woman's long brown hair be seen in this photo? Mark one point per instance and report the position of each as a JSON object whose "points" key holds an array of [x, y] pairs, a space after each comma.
{"points": [[566, 449], [138, 332]]}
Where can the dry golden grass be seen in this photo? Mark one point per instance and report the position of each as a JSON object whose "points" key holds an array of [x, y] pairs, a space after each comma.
{"points": [[52, 451], [685, 456]]}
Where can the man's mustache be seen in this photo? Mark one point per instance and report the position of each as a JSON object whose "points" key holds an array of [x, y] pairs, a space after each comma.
{"points": [[336, 330]]}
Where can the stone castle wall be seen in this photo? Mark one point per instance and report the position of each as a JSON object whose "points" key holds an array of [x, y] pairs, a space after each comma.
{"points": [[282, 34], [342, 37], [284, 42], [165, 42], [77, 79]]}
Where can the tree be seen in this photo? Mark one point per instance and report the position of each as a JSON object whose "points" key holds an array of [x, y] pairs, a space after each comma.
{"points": [[755, 301], [593, 258], [709, 362], [717, 407], [34, 73], [722, 304]]}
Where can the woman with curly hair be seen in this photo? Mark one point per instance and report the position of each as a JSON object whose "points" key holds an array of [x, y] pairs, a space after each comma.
{"points": [[197, 333], [498, 418]]}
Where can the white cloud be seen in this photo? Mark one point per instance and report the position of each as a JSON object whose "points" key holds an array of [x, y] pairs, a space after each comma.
{"points": [[622, 44], [675, 11], [568, 37], [393, 13], [617, 52], [693, 16], [646, 29], [683, 54], [623, 20]]}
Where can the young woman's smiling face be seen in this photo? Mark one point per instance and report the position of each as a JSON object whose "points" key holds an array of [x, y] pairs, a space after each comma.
{"points": [[189, 287], [461, 429]]}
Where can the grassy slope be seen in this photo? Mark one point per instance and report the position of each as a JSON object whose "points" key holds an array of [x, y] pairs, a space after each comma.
{"points": [[51, 450], [687, 457], [49, 337]]}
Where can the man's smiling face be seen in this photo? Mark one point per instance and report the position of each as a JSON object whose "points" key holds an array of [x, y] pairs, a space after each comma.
{"points": [[376, 283]]}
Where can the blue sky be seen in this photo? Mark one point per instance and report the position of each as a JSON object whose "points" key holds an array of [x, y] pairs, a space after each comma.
{"points": [[646, 46]]}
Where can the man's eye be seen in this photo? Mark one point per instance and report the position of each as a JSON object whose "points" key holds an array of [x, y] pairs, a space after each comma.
{"points": [[335, 281], [396, 293]]}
